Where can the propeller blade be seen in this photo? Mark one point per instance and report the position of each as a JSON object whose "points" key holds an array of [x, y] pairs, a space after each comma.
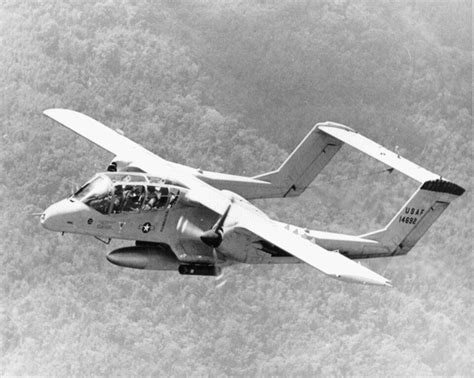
{"points": [[220, 223], [219, 272], [213, 237]]}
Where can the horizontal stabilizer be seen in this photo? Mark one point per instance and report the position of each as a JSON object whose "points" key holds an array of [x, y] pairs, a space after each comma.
{"points": [[375, 150]]}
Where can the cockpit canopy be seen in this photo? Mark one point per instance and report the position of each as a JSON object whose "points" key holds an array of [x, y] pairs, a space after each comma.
{"points": [[125, 192]]}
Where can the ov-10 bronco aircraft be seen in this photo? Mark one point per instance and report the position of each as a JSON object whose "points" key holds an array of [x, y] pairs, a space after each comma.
{"points": [[196, 222]]}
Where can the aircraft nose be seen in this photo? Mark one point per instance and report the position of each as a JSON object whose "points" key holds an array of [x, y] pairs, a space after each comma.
{"points": [[54, 218]]}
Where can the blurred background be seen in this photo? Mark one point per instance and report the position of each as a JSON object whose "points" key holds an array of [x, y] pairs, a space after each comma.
{"points": [[233, 86]]}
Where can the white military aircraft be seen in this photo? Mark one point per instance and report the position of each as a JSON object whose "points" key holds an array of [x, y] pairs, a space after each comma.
{"points": [[196, 222]]}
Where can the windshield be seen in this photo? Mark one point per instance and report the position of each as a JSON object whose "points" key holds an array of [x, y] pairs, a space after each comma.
{"points": [[96, 194]]}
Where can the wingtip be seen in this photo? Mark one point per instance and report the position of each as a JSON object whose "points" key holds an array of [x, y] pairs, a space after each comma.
{"points": [[375, 279], [383, 282], [52, 112], [49, 111]]}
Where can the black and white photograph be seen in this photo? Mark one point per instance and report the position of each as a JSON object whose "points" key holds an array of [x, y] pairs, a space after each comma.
{"points": [[234, 188]]}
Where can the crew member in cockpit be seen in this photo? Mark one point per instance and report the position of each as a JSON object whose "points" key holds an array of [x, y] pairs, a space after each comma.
{"points": [[163, 197], [152, 198], [133, 197], [118, 199]]}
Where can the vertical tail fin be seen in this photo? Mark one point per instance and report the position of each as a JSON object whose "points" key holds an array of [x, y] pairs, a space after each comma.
{"points": [[306, 161], [416, 216]]}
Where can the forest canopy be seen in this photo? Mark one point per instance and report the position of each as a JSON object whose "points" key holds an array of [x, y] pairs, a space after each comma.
{"points": [[233, 87]]}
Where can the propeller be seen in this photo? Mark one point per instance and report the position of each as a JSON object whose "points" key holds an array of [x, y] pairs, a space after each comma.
{"points": [[73, 187], [218, 271], [213, 237]]}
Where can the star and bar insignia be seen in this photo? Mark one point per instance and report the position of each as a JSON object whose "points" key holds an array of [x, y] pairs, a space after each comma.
{"points": [[146, 227]]}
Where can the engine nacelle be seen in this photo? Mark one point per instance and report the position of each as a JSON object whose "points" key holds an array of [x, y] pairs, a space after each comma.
{"points": [[147, 256]]}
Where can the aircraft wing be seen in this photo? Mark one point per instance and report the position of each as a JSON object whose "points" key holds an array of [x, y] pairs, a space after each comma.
{"points": [[127, 149], [330, 263], [100, 134]]}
